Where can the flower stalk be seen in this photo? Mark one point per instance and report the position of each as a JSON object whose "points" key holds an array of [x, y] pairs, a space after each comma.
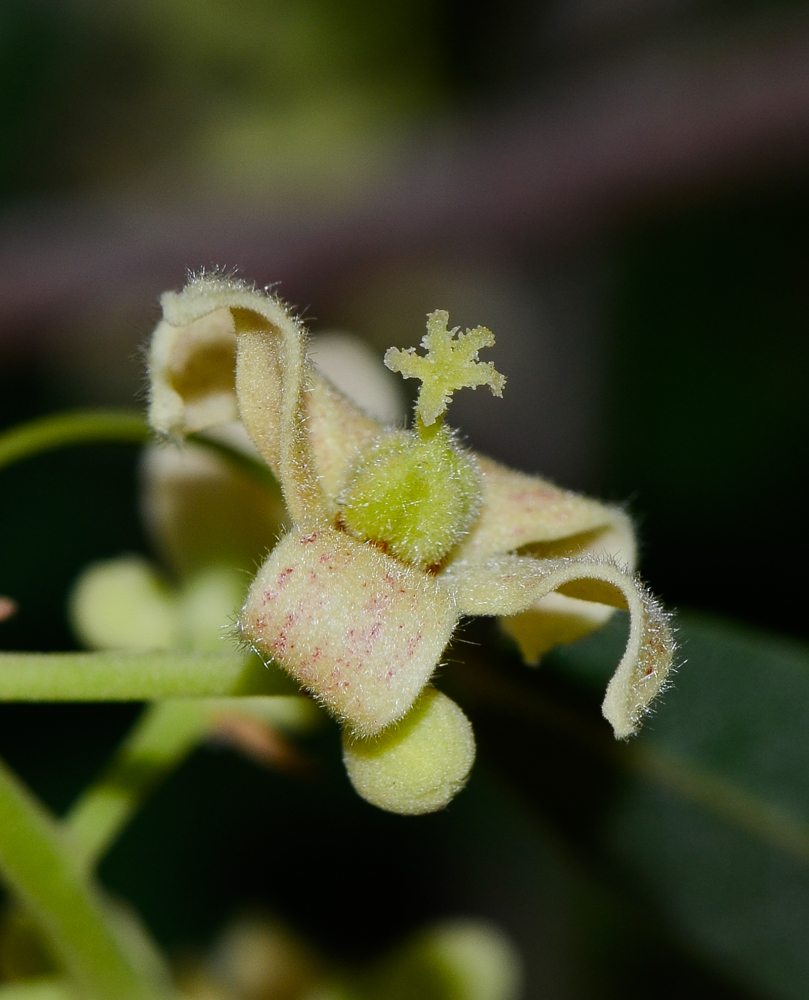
{"points": [[123, 676], [40, 866]]}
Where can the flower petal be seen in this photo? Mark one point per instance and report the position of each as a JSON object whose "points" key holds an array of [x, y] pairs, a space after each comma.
{"points": [[357, 370], [510, 584], [307, 431], [362, 631], [339, 432], [520, 510], [556, 619], [200, 511], [191, 368]]}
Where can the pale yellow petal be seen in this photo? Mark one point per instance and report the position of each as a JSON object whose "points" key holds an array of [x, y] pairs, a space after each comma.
{"points": [[223, 343], [519, 510], [362, 631], [271, 375], [555, 620], [200, 511], [356, 369], [339, 432], [191, 369], [510, 584]]}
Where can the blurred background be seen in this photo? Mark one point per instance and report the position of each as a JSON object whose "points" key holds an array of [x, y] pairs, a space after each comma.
{"points": [[617, 188]]}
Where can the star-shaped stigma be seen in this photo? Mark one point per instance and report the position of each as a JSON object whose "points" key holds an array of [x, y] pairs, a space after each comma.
{"points": [[451, 363]]}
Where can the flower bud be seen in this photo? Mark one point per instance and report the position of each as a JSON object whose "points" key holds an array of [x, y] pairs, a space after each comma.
{"points": [[459, 959], [124, 604], [209, 602], [418, 765]]}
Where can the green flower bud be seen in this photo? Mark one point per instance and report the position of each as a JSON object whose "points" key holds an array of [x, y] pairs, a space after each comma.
{"points": [[124, 604], [454, 960], [416, 495], [209, 602], [418, 765]]}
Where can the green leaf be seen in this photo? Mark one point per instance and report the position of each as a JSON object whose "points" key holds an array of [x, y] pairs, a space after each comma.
{"points": [[710, 823]]}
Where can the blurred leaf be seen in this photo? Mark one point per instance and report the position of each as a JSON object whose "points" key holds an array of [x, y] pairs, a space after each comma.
{"points": [[707, 823]]}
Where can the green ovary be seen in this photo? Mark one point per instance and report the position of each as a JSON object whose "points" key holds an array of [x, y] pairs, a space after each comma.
{"points": [[415, 494]]}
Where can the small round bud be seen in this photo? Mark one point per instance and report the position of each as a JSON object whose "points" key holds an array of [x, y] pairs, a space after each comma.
{"points": [[124, 604], [463, 959], [417, 496], [418, 765]]}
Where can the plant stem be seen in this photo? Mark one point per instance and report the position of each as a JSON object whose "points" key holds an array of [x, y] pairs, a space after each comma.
{"points": [[123, 676], [163, 735], [71, 428], [74, 427], [38, 864]]}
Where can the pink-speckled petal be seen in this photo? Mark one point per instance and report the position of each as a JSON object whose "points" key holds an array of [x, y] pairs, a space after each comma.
{"points": [[519, 510], [361, 631]]}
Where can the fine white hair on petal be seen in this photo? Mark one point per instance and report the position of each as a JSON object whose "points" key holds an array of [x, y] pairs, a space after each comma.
{"points": [[360, 630], [509, 584]]}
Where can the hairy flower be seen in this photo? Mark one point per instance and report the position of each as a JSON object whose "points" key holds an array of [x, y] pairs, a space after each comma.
{"points": [[396, 534]]}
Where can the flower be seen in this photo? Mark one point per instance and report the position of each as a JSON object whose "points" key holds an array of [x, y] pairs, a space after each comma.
{"points": [[396, 534]]}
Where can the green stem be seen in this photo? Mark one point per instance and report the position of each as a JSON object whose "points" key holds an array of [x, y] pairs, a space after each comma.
{"points": [[75, 427], [114, 676], [163, 735], [71, 428], [39, 866]]}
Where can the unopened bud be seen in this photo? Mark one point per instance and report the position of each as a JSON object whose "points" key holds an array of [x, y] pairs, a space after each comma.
{"points": [[124, 604], [418, 765]]}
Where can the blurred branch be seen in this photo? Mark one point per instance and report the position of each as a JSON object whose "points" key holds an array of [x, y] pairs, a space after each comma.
{"points": [[75, 427], [575, 162], [39, 867], [125, 676]]}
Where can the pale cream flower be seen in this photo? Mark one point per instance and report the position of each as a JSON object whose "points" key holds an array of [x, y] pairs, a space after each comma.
{"points": [[395, 534]]}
